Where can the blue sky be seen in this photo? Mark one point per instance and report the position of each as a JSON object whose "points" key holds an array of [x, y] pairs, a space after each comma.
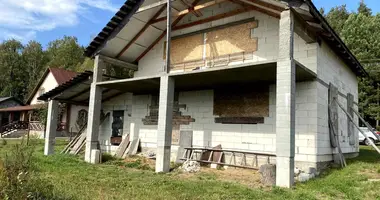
{"points": [[47, 20]]}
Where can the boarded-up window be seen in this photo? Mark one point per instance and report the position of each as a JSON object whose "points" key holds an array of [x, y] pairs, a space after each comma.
{"points": [[241, 103], [231, 40], [196, 50]]}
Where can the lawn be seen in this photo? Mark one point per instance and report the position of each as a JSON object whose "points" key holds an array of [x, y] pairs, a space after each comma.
{"points": [[74, 179]]}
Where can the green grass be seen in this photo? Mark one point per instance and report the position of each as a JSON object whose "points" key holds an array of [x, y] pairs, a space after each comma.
{"points": [[74, 179]]}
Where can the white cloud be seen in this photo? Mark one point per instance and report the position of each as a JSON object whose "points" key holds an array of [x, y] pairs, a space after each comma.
{"points": [[23, 36], [31, 16]]}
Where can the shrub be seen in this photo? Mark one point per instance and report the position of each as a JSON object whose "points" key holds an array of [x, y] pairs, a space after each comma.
{"points": [[18, 181]]}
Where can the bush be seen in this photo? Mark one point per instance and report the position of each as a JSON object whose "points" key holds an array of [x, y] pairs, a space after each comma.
{"points": [[18, 180]]}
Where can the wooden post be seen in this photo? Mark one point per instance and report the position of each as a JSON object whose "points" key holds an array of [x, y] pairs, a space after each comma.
{"points": [[361, 131]]}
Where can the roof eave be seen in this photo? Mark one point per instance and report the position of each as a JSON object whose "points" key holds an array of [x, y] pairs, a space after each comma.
{"points": [[113, 27], [359, 69]]}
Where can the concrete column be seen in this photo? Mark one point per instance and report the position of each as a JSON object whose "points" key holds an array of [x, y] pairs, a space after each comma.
{"points": [[51, 127], [94, 109], [285, 103], [164, 130]]}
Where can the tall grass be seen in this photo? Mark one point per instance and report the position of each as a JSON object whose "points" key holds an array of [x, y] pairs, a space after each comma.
{"points": [[18, 178]]}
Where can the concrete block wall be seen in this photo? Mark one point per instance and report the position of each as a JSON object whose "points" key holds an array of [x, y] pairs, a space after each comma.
{"points": [[122, 102], [207, 133], [267, 34], [74, 116], [332, 69]]}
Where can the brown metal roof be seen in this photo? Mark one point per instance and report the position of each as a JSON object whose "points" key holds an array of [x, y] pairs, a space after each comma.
{"points": [[62, 75], [21, 108]]}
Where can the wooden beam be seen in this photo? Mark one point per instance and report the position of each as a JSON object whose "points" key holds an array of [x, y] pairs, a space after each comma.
{"points": [[184, 12], [79, 103], [151, 6], [302, 29], [118, 62], [256, 7], [141, 31], [176, 21], [113, 96], [79, 93], [267, 4], [213, 18], [191, 8]]}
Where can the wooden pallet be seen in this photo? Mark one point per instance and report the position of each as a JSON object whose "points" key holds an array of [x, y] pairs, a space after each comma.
{"points": [[75, 146]]}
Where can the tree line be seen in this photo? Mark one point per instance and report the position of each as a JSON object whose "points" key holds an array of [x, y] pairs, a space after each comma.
{"points": [[21, 66], [360, 31]]}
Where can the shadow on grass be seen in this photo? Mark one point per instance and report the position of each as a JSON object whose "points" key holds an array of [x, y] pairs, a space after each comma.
{"points": [[367, 154]]}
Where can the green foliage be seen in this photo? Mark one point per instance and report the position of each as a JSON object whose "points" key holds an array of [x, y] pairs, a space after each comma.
{"points": [[65, 53], [337, 17], [360, 31], [22, 65], [41, 113]]}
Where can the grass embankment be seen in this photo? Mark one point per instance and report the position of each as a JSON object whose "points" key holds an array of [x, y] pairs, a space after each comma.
{"points": [[72, 178]]}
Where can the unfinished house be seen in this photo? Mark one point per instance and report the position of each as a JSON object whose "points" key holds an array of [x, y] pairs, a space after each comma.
{"points": [[247, 76]]}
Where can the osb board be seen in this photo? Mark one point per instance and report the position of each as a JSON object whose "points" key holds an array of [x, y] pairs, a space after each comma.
{"points": [[234, 39], [250, 101], [186, 49]]}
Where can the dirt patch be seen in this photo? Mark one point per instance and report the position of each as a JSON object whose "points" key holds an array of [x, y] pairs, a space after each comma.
{"points": [[371, 173], [250, 178]]}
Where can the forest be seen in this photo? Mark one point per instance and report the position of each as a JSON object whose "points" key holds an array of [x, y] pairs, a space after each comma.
{"points": [[21, 65]]}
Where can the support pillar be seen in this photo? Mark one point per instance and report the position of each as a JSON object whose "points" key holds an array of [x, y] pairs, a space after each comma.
{"points": [[51, 127], [285, 103], [94, 109], [164, 130]]}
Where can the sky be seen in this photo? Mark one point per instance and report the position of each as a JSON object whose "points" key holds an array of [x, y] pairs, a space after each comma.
{"points": [[47, 20]]}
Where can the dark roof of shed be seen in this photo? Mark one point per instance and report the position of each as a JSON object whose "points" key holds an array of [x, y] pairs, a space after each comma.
{"points": [[122, 17], [2, 99]]}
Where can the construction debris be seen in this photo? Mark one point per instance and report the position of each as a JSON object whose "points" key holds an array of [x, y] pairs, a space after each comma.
{"points": [[122, 147], [191, 166]]}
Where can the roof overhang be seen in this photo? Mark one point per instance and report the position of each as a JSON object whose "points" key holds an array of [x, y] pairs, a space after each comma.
{"points": [[139, 25], [77, 90], [21, 108]]}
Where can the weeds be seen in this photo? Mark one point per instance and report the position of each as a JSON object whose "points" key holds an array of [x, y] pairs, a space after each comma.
{"points": [[17, 177]]}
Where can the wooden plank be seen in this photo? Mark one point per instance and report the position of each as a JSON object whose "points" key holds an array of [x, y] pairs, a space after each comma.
{"points": [[268, 5], [151, 6], [239, 120], [274, 14], [141, 31], [122, 147], [78, 144], [185, 140], [176, 21], [196, 8], [135, 146], [117, 62]]}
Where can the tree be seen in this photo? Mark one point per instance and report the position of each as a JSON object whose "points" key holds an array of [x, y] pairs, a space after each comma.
{"points": [[12, 70], [35, 62], [65, 53], [361, 34], [363, 9], [337, 17]]}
